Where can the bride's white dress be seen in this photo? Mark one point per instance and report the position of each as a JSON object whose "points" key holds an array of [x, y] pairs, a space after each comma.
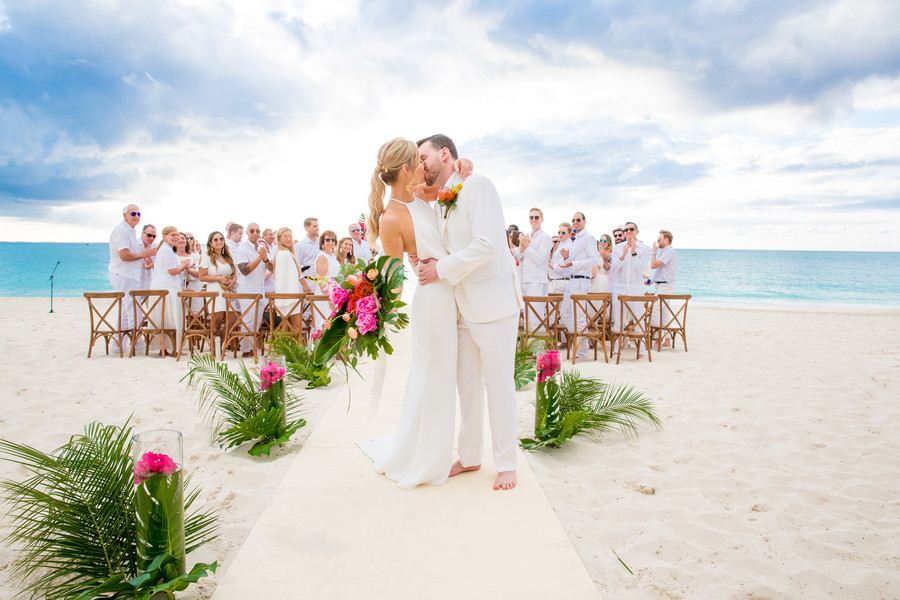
{"points": [[422, 449]]}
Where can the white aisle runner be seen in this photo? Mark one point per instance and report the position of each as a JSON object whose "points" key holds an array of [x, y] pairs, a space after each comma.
{"points": [[337, 529]]}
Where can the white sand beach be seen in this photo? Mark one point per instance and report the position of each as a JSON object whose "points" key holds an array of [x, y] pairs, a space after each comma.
{"points": [[776, 473]]}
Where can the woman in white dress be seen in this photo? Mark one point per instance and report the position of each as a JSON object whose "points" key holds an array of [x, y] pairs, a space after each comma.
{"points": [[217, 271], [327, 265], [287, 275], [600, 280], [421, 450], [168, 274]]}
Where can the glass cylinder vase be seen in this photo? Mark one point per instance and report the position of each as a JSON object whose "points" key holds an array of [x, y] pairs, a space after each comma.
{"points": [[547, 400], [272, 384], [159, 499]]}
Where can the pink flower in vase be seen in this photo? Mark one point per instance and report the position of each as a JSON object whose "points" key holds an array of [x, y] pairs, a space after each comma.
{"points": [[153, 463], [548, 365], [270, 374]]}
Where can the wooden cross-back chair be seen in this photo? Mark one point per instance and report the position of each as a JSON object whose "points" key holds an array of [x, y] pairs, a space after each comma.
{"points": [[234, 322], [541, 318], [319, 311], [150, 320], [597, 312], [280, 319], [102, 323], [673, 319], [196, 315], [635, 313]]}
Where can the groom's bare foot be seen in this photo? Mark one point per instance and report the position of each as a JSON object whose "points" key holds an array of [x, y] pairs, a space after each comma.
{"points": [[457, 468], [506, 480]]}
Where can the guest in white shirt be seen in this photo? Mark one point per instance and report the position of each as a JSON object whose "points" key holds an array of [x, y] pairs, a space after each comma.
{"points": [[168, 274], [556, 272], [234, 233], [252, 260], [217, 271], [600, 281], [287, 275], [269, 237], [361, 248], [533, 255], [148, 238], [307, 251], [581, 258], [665, 260], [126, 256], [626, 275]]}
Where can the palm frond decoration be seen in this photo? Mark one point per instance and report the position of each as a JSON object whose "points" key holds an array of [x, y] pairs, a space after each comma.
{"points": [[73, 517], [525, 359], [233, 404], [589, 407], [299, 361]]}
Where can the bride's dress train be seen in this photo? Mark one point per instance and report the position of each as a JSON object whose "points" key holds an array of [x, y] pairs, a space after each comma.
{"points": [[421, 450]]}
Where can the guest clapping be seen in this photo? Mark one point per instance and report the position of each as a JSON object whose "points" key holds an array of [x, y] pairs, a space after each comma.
{"points": [[168, 272], [533, 253], [217, 270], [600, 281]]}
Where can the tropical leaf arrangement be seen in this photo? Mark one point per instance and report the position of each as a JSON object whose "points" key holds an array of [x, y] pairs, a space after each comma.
{"points": [[523, 372], [577, 405], [73, 520], [299, 361], [237, 407]]}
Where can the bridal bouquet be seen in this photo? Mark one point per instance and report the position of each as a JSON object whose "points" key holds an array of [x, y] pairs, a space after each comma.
{"points": [[366, 301]]}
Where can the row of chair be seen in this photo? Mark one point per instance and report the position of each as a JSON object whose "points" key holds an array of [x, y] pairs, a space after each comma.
{"points": [[542, 321], [149, 307]]}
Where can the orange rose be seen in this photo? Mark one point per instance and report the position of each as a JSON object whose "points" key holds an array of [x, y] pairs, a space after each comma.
{"points": [[372, 274]]}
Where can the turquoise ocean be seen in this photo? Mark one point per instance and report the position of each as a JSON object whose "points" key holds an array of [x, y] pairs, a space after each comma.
{"points": [[713, 277]]}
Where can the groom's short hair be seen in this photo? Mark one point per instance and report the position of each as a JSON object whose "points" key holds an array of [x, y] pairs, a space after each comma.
{"points": [[439, 141]]}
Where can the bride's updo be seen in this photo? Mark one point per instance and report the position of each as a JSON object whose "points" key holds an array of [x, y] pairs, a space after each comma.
{"points": [[391, 158]]}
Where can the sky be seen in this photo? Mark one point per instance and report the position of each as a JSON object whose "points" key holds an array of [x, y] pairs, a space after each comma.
{"points": [[734, 124]]}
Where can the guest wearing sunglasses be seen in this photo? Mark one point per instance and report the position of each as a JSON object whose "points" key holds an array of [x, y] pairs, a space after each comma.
{"points": [[361, 248], [557, 273], [630, 260], [583, 257], [533, 254], [126, 255], [600, 281], [168, 274], [217, 271], [327, 265], [252, 259], [148, 238]]}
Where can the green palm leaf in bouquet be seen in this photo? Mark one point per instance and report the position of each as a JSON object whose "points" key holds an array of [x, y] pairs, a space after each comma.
{"points": [[73, 517], [299, 361]]}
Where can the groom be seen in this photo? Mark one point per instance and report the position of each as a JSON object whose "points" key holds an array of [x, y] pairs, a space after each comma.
{"points": [[483, 274]]}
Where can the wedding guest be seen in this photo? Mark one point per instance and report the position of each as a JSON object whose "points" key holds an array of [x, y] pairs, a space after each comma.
{"points": [[126, 256], [148, 238], [346, 251], [252, 260], [600, 277], [327, 265], [581, 258], [533, 253], [217, 271], [510, 228], [618, 234], [191, 276], [556, 272], [555, 241], [235, 235], [361, 248], [268, 236], [665, 260], [307, 252], [287, 275], [626, 276], [168, 274]]}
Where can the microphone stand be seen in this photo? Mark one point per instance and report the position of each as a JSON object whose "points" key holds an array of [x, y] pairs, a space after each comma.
{"points": [[51, 285]]}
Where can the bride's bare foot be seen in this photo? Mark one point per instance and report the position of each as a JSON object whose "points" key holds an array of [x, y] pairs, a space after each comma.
{"points": [[457, 468], [506, 480]]}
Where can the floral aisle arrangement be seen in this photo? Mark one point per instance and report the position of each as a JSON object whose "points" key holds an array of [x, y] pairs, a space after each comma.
{"points": [[74, 521], [567, 404], [299, 362], [241, 406], [367, 304]]}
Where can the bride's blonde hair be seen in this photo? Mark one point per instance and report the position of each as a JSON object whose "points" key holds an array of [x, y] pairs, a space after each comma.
{"points": [[391, 158]]}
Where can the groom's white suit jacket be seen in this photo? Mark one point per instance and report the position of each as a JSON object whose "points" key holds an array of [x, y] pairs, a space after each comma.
{"points": [[480, 266]]}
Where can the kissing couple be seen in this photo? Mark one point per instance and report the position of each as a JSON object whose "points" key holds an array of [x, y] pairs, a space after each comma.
{"points": [[464, 316]]}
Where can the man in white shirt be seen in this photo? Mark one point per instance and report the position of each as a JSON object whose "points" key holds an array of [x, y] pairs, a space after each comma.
{"points": [[269, 237], [665, 260], [361, 248], [533, 255], [148, 236], [234, 233], [252, 260], [581, 258], [126, 256], [626, 272], [558, 274], [307, 251]]}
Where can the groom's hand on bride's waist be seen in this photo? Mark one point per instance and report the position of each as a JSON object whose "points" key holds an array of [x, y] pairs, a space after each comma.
{"points": [[427, 271]]}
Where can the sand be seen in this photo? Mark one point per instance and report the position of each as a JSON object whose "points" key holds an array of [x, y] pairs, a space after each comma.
{"points": [[776, 473]]}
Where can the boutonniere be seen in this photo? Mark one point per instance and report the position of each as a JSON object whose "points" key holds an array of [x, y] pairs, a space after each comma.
{"points": [[447, 197]]}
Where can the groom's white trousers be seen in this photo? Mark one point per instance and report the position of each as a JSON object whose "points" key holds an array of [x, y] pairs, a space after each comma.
{"points": [[487, 359]]}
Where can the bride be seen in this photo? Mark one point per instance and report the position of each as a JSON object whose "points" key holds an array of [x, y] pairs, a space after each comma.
{"points": [[421, 450]]}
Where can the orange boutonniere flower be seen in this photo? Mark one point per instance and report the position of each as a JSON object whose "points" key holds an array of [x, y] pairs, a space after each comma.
{"points": [[447, 197]]}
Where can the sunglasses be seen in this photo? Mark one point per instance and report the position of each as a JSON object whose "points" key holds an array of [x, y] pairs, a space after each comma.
{"points": [[629, 229], [563, 233], [534, 218], [150, 235], [253, 231], [135, 214], [191, 239], [555, 241], [330, 239], [578, 220], [218, 239], [355, 230]]}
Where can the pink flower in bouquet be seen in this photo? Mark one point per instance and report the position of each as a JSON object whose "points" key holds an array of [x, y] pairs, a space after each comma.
{"points": [[372, 274], [152, 464], [366, 322], [326, 325], [316, 334], [269, 374], [352, 333], [338, 297], [346, 317], [548, 365], [369, 304]]}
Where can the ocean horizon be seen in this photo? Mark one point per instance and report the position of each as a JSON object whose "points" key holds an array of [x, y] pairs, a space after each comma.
{"points": [[744, 278]]}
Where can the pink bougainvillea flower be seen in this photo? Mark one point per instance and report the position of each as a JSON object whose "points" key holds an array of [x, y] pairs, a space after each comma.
{"points": [[269, 374], [317, 334], [547, 365], [153, 463]]}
